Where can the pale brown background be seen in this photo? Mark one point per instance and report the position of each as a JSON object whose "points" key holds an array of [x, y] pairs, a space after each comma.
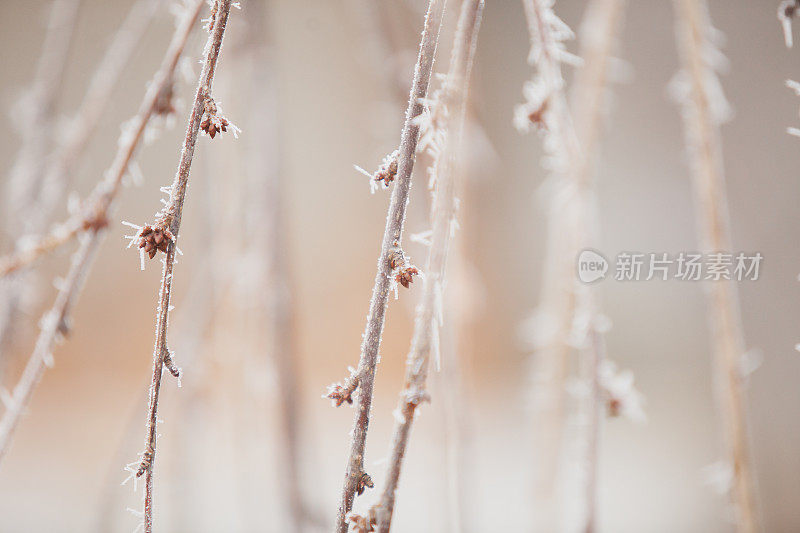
{"points": [[65, 466]]}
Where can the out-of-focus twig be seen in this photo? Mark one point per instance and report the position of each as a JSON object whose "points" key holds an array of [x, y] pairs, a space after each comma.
{"points": [[57, 318], [36, 125], [364, 376], [701, 104]]}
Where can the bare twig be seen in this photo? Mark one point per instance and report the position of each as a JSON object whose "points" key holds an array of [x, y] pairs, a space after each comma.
{"points": [[568, 315], [364, 376], [170, 218], [702, 116], [58, 316], [266, 223], [36, 125], [428, 317]]}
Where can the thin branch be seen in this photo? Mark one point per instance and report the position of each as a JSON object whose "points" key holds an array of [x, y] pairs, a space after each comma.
{"points": [[702, 117], [58, 317], [37, 112], [568, 316], [170, 218], [265, 221], [364, 377], [428, 317]]}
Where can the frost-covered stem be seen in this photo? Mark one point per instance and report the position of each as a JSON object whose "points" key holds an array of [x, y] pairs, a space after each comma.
{"points": [[392, 234], [171, 216], [573, 133], [558, 300], [428, 314], [37, 123], [704, 144], [70, 289], [599, 31]]}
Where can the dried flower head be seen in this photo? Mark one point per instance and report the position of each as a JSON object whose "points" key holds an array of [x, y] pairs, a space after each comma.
{"points": [[213, 121], [364, 482], [339, 394], [154, 238], [385, 174], [406, 276], [364, 524]]}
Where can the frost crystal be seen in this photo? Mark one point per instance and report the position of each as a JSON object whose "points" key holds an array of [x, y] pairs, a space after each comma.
{"points": [[621, 395]]}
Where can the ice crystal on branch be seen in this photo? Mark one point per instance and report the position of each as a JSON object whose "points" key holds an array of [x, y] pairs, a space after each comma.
{"points": [[385, 174], [787, 10], [621, 396]]}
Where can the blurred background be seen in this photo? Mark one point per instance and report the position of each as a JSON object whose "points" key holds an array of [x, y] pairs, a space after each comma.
{"points": [[331, 96]]}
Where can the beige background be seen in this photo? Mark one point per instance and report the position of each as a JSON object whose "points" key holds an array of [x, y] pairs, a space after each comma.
{"points": [[216, 462]]}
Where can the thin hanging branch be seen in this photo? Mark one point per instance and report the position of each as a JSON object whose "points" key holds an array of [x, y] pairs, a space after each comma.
{"points": [[568, 318], [451, 101], [704, 109], [56, 320], [164, 235], [390, 262], [265, 222], [37, 122]]}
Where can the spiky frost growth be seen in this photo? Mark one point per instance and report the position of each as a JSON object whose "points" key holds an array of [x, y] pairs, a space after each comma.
{"points": [[787, 11], [392, 237], [567, 319], [702, 114]]}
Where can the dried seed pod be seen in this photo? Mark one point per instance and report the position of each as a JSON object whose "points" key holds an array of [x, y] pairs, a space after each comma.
{"points": [[363, 482]]}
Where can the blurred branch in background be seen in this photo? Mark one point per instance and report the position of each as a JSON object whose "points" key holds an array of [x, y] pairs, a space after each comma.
{"points": [[37, 124], [55, 322], [704, 107], [568, 319], [75, 139]]}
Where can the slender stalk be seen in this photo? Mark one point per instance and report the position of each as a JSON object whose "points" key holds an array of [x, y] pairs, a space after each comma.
{"points": [[105, 192], [428, 315], [266, 224], [703, 140], [171, 218], [568, 306], [36, 126], [364, 377]]}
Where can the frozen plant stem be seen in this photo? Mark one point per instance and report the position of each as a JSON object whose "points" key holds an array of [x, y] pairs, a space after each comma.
{"points": [[171, 218], [429, 311], [364, 377], [705, 147], [57, 318]]}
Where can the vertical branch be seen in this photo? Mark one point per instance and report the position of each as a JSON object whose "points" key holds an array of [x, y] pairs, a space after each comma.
{"points": [[266, 224], [364, 377], [428, 315], [702, 120], [93, 233], [568, 316], [170, 219]]}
